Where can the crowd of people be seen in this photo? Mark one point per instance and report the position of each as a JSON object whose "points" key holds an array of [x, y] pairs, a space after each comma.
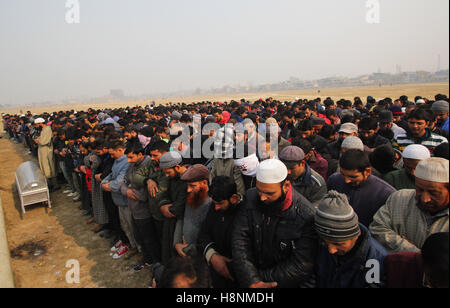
{"points": [[264, 194]]}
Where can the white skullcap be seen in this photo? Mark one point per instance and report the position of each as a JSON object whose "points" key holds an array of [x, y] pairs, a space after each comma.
{"points": [[420, 102], [433, 170], [39, 121], [352, 142], [416, 151], [271, 171]]}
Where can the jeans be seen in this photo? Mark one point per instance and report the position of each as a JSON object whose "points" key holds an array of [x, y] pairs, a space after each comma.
{"points": [[68, 177], [76, 182], [142, 230]]}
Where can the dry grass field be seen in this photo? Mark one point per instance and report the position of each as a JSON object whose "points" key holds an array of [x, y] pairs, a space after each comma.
{"points": [[428, 90]]}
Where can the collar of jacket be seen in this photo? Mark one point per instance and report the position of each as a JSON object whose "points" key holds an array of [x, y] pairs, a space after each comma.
{"points": [[288, 201], [121, 158], [358, 254], [143, 162], [313, 157], [305, 179]]}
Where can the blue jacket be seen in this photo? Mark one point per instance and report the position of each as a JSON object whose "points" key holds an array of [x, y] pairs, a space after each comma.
{"points": [[352, 272], [445, 125], [116, 178]]}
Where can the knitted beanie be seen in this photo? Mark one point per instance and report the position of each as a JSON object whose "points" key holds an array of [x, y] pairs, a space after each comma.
{"points": [[335, 219]]}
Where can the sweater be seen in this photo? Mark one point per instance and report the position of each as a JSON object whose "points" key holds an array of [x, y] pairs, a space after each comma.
{"points": [[365, 199]]}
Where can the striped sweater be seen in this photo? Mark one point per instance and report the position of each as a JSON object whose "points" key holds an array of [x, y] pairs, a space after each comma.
{"points": [[429, 140]]}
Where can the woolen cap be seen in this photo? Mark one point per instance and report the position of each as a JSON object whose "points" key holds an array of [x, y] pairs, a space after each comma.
{"points": [[348, 128], [335, 220], [196, 173], [271, 171], [170, 160], [440, 106], [352, 143], [433, 170], [39, 121], [396, 110]]}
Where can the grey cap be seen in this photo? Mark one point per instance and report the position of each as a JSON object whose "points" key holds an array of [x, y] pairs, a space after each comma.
{"points": [[352, 143], [386, 116], [317, 121], [335, 220], [346, 112], [348, 128], [176, 115], [440, 106], [291, 155], [170, 160]]}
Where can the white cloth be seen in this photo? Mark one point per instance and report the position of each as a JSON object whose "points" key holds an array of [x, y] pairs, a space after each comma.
{"points": [[397, 130], [247, 165]]}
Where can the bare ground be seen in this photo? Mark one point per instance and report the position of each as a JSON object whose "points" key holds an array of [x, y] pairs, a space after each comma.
{"points": [[42, 240]]}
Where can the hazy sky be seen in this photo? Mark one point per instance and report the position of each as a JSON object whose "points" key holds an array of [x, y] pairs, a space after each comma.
{"points": [[147, 46]]}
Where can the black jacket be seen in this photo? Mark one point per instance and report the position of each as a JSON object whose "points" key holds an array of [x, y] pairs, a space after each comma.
{"points": [[320, 144], [278, 248], [216, 231]]}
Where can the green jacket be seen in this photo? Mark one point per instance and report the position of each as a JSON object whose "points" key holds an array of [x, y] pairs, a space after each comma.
{"points": [[150, 172], [226, 167], [399, 179]]}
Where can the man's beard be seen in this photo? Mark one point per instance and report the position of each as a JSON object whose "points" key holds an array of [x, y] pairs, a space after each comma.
{"points": [[368, 140], [196, 198], [274, 208]]}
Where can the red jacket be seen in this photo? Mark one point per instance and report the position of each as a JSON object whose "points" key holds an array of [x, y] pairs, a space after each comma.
{"points": [[404, 270]]}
